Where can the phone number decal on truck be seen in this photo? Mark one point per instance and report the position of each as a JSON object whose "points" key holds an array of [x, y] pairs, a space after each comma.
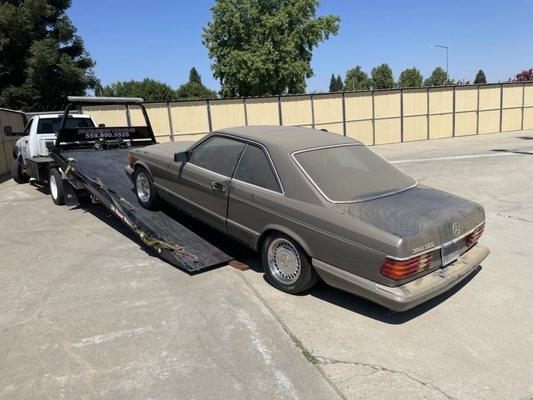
{"points": [[106, 133]]}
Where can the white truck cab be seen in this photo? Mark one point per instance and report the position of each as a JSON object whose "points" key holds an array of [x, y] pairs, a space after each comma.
{"points": [[42, 129]]}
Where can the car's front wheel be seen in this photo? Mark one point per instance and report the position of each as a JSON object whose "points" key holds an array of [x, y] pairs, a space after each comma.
{"points": [[286, 264], [144, 189]]}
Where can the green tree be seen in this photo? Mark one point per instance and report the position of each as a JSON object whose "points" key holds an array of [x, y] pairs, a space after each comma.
{"points": [[194, 89], [438, 78], [480, 78], [356, 79], [382, 77], [410, 78], [340, 85], [148, 89], [42, 59], [194, 76], [264, 47], [335, 83]]}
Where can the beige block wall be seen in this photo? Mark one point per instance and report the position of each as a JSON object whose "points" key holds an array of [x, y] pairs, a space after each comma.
{"points": [[440, 126], [262, 111], [489, 121], [328, 112], [227, 113], [360, 130], [415, 128], [511, 119], [189, 117], [465, 123], [112, 116], [388, 131], [296, 110]]}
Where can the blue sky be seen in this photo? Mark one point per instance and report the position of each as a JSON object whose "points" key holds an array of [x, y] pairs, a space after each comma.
{"points": [[161, 39]]}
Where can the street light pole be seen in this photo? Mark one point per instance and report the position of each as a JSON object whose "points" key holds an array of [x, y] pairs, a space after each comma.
{"points": [[446, 48]]}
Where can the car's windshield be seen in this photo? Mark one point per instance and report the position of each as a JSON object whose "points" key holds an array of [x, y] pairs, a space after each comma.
{"points": [[351, 173], [51, 125]]}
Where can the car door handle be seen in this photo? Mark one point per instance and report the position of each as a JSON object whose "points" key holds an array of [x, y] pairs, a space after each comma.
{"points": [[219, 186]]}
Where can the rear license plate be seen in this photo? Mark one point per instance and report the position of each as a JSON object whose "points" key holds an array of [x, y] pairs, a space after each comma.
{"points": [[449, 253]]}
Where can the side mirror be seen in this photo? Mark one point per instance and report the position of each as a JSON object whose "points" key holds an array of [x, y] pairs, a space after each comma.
{"points": [[101, 125], [8, 130], [49, 144], [182, 157]]}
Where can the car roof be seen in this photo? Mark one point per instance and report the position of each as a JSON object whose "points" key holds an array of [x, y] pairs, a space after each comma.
{"points": [[288, 138]]}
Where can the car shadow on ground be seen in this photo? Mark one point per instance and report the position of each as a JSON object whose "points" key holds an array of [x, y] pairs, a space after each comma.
{"points": [[247, 256], [527, 153]]}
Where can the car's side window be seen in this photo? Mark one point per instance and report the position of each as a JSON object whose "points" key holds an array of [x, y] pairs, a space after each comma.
{"points": [[255, 168], [218, 154]]}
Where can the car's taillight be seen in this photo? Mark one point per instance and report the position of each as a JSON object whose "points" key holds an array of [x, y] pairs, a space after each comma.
{"points": [[399, 270], [130, 159], [474, 236]]}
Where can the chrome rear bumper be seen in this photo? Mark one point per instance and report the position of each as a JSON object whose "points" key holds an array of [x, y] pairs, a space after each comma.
{"points": [[411, 294]]}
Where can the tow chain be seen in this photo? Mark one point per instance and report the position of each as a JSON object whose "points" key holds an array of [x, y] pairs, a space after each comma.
{"points": [[148, 240]]}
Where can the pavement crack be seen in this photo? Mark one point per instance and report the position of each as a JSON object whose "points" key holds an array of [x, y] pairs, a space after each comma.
{"points": [[378, 368]]}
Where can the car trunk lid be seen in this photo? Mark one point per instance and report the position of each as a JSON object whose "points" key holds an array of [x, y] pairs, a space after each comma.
{"points": [[422, 217]]}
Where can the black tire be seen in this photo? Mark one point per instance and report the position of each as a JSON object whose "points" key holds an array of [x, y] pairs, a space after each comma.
{"points": [[289, 282], [16, 172], [144, 189], [56, 184]]}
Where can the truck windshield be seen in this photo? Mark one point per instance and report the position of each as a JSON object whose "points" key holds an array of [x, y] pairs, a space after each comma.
{"points": [[351, 173], [51, 125]]}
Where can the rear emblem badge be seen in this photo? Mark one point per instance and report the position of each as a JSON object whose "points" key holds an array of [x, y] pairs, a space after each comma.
{"points": [[456, 229]]}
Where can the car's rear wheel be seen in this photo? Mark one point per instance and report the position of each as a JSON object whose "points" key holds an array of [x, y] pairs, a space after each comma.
{"points": [[144, 189], [286, 264], [16, 172], [57, 190]]}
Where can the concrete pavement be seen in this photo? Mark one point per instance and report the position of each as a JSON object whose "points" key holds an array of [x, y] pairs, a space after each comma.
{"points": [[86, 313]]}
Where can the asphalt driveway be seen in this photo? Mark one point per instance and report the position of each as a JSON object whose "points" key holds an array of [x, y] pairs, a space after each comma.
{"points": [[86, 313]]}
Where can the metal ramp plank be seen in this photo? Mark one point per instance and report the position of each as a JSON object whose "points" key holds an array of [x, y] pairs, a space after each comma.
{"points": [[102, 171]]}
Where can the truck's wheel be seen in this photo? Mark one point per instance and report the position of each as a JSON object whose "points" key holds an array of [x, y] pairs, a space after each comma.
{"points": [[286, 265], [16, 172], [57, 190], [144, 189]]}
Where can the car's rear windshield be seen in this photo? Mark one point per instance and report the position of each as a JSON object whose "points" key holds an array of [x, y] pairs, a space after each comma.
{"points": [[51, 125], [351, 173]]}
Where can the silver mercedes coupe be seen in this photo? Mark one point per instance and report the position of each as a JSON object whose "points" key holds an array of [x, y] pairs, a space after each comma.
{"points": [[317, 205]]}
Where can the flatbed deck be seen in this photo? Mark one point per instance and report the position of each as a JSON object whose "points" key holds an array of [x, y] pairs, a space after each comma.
{"points": [[101, 173]]}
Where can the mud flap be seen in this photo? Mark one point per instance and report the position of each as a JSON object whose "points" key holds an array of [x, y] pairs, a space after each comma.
{"points": [[71, 197]]}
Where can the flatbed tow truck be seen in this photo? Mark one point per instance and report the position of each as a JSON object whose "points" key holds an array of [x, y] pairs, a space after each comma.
{"points": [[93, 159]]}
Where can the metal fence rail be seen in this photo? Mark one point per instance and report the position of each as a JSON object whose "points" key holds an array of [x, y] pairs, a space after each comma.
{"points": [[373, 117]]}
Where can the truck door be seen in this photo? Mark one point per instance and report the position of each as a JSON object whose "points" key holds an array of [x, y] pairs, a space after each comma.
{"points": [[201, 185]]}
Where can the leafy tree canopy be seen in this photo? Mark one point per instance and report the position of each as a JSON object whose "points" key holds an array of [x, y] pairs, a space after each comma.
{"points": [[194, 89], [523, 76], [42, 59], [264, 47], [148, 89], [438, 78], [480, 78], [356, 79], [382, 77], [410, 78]]}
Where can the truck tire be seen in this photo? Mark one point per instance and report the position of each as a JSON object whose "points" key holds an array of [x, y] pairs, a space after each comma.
{"points": [[57, 190], [286, 265], [144, 189], [16, 172]]}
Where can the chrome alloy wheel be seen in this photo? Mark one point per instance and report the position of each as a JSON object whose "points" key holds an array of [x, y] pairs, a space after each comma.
{"points": [[143, 187], [284, 261]]}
